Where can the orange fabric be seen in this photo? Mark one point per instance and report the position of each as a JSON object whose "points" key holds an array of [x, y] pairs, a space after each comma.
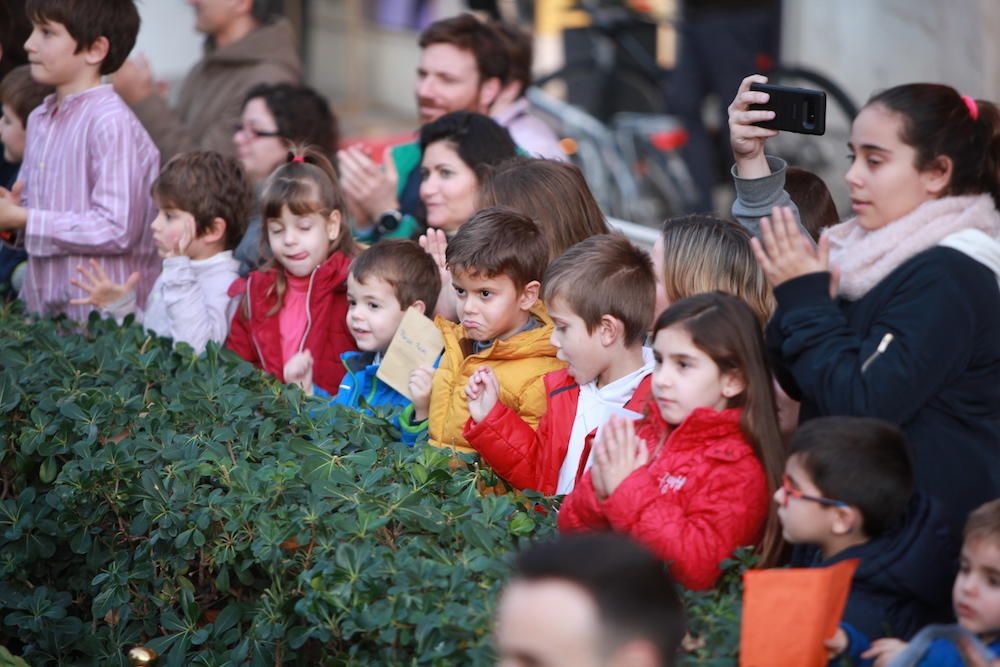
{"points": [[788, 614]]}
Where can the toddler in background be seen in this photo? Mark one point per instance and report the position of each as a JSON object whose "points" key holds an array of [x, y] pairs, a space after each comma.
{"points": [[298, 301], [975, 597], [204, 201]]}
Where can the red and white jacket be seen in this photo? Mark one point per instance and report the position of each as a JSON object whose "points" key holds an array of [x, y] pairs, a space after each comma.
{"points": [[530, 459], [703, 495], [258, 338]]}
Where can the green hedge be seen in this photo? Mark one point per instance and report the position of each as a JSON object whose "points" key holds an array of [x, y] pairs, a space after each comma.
{"points": [[197, 507]]}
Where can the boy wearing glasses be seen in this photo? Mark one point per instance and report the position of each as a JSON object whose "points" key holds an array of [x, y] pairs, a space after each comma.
{"points": [[848, 494]]}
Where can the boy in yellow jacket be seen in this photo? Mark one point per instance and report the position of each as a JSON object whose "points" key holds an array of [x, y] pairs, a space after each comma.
{"points": [[496, 260]]}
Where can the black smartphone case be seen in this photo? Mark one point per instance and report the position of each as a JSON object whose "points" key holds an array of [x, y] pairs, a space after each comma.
{"points": [[800, 110]]}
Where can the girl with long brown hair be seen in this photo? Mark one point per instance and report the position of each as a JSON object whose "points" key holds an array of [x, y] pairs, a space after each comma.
{"points": [[692, 480]]}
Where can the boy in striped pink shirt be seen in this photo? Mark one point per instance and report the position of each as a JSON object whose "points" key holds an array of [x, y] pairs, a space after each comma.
{"points": [[88, 163]]}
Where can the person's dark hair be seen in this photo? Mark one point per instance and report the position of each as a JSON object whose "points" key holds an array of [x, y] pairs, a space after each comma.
{"points": [[406, 267], [605, 275], [519, 53], [265, 10], [88, 20], [938, 122], [553, 194], [15, 28], [984, 522], [813, 199], [22, 93], [307, 183], [301, 115], [702, 253], [724, 327], [208, 186], [861, 461], [477, 139], [635, 596], [499, 241], [468, 33]]}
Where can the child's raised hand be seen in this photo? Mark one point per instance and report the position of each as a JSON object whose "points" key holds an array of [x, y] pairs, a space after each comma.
{"points": [[883, 651], [747, 140], [482, 393], [784, 252], [435, 244], [299, 371], [618, 454], [101, 292], [421, 381]]}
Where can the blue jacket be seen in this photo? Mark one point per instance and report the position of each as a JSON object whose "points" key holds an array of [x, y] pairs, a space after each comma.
{"points": [[903, 581], [937, 377], [362, 391], [923, 651]]}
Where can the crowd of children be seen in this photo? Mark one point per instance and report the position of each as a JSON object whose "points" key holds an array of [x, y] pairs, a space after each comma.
{"points": [[660, 395]]}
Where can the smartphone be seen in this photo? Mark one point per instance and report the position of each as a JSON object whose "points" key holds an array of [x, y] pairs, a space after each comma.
{"points": [[799, 110]]}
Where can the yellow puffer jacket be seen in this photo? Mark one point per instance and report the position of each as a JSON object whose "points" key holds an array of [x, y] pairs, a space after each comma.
{"points": [[520, 363]]}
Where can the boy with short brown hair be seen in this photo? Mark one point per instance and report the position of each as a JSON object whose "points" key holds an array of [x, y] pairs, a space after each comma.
{"points": [[88, 162], [205, 200], [496, 260], [600, 295]]}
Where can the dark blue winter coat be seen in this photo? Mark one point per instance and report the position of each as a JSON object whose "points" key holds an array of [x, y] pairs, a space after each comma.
{"points": [[922, 350]]}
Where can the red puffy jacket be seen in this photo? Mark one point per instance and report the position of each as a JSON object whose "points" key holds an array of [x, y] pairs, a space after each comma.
{"points": [[258, 338], [530, 459], [703, 495]]}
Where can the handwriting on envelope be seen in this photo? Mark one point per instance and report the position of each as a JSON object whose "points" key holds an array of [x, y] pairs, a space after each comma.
{"points": [[417, 343]]}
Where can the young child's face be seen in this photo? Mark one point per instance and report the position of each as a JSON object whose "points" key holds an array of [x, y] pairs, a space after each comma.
{"points": [[583, 351], [685, 378], [53, 55], [168, 227], [489, 308], [373, 313], [976, 594], [803, 521], [300, 243], [11, 135]]}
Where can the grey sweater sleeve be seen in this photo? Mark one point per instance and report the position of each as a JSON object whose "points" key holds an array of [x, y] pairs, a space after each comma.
{"points": [[755, 197]]}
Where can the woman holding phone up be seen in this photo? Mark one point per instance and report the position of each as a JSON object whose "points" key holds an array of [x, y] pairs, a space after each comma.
{"points": [[896, 314]]}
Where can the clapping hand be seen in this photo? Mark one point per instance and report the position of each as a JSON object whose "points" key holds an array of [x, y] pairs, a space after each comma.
{"points": [[784, 252], [618, 454], [482, 393], [435, 244]]}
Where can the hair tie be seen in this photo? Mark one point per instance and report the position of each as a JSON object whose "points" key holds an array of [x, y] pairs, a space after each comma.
{"points": [[298, 158], [971, 105]]}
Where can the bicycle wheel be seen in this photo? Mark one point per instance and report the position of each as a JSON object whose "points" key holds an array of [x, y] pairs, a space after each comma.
{"points": [[823, 155], [602, 94]]}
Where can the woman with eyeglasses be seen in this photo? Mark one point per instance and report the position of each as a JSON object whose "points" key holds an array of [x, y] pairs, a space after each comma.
{"points": [[275, 117]]}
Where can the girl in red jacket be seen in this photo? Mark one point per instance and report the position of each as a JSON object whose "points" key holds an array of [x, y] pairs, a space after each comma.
{"points": [[294, 309], [693, 479]]}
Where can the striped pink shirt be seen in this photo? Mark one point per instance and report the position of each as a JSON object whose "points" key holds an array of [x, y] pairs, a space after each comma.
{"points": [[88, 166]]}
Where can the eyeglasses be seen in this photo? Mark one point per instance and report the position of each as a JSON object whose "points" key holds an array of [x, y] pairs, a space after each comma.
{"points": [[254, 132], [792, 492]]}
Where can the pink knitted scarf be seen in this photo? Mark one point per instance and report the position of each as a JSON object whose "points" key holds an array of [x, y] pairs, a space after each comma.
{"points": [[865, 258]]}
